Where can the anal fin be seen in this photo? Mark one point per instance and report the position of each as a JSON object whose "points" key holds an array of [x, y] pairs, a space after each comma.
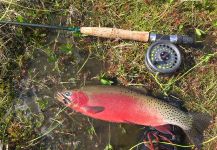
{"points": [[166, 129]]}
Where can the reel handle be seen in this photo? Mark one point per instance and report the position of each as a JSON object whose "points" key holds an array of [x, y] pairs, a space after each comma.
{"points": [[116, 33]]}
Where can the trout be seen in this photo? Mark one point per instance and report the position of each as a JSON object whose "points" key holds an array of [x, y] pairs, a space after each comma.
{"points": [[122, 105]]}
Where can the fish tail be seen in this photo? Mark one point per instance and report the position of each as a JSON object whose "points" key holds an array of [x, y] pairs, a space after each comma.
{"points": [[200, 122]]}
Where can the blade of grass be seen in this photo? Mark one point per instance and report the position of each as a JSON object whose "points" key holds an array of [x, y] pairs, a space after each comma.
{"points": [[9, 5]]}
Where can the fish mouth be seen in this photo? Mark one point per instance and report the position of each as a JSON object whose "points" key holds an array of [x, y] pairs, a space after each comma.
{"points": [[60, 97]]}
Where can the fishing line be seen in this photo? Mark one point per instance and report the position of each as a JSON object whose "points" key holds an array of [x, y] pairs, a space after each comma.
{"points": [[172, 144]]}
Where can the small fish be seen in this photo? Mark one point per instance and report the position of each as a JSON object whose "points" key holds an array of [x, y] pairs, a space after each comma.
{"points": [[122, 105]]}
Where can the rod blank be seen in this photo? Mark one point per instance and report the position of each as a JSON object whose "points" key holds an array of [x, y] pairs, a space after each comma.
{"points": [[35, 25]]}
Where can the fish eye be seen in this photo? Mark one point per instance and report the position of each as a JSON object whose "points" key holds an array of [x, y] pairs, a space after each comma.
{"points": [[67, 93]]}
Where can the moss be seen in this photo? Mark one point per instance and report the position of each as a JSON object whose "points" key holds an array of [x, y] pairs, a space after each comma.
{"points": [[124, 59]]}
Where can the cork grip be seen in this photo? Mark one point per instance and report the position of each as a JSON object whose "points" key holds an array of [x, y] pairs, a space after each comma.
{"points": [[115, 33]]}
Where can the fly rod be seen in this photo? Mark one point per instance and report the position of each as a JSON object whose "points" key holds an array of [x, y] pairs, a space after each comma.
{"points": [[162, 56], [114, 33]]}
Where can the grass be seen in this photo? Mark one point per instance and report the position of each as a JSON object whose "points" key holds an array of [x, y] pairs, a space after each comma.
{"points": [[65, 60]]}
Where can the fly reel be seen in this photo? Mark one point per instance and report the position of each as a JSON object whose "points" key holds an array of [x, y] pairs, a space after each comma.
{"points": [[163, 57]]}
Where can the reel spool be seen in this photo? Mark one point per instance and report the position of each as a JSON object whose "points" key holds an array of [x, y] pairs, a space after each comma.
{"points": [[163, 57]]}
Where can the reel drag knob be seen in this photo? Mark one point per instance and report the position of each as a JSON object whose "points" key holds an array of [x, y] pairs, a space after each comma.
{"points": [[163, 57]]}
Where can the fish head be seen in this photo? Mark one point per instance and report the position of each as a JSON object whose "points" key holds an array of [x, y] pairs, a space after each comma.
{"points": [[72, 98], [65, 97]]}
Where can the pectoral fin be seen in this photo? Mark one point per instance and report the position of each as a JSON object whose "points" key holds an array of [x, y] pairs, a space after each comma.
{"points": [[94, 109]]}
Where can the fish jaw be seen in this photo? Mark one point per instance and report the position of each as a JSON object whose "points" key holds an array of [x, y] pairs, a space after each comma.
{"points": [[60, 97]]}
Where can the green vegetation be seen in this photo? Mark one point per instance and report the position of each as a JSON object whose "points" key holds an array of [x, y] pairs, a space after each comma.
{"points": [[48, 61]]}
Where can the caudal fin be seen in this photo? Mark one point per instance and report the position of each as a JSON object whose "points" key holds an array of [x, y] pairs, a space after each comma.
{"points": [[200, 123]]}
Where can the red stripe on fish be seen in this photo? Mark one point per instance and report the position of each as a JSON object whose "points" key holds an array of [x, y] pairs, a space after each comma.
{"points": [[116, 108]]}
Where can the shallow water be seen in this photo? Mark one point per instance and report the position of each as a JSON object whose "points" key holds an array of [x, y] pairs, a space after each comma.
{"points": [[66, 129]]}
